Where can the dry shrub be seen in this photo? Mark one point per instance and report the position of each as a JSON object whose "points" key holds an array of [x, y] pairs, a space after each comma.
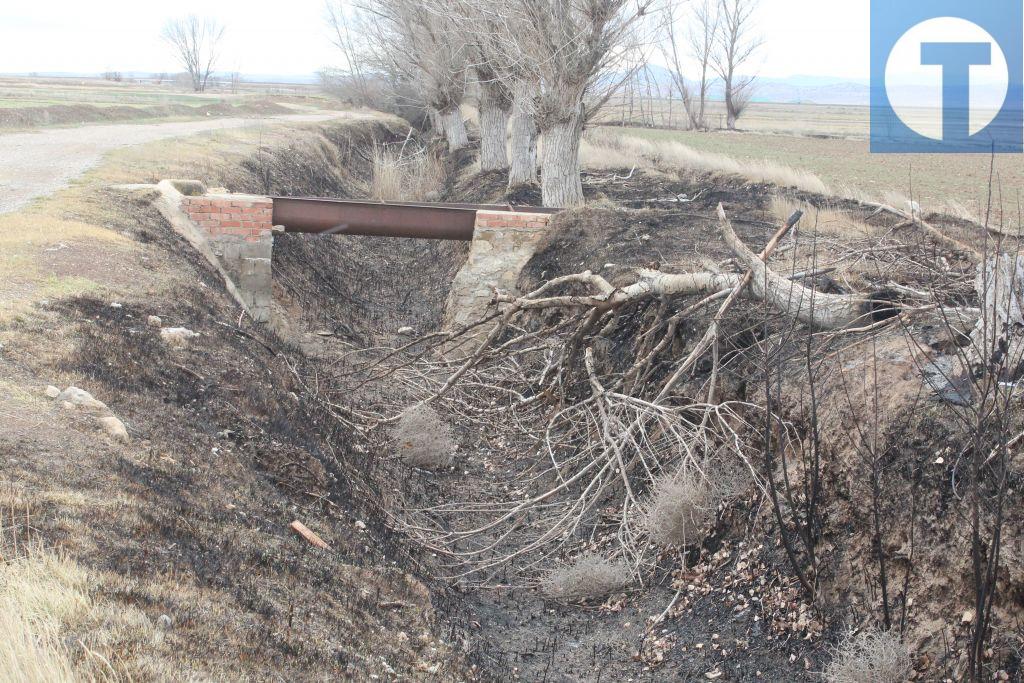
{"points": [[589, 577], [399, 175], [825, 220], [680, 508], [604, 150], [869, 657], [424, 440]]}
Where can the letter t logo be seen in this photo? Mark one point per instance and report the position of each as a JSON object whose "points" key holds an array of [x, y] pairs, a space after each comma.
{"points": [[956, 60]]}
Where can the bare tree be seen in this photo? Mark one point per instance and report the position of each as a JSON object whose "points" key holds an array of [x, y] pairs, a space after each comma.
{"points": [[341, 20], [523, 135], [508, 93], [196, 43], [416, 44], [735, 45], [672, 53], [702, 32], [572, 50]]}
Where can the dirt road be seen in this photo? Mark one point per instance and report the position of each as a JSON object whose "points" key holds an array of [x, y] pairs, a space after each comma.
{"points": [[39, 163]]}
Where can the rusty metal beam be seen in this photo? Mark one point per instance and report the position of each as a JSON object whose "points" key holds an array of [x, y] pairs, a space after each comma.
{"points": [[383, 219]]}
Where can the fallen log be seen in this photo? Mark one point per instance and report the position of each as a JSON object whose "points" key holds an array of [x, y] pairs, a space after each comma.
{"points": [[817, 309]]}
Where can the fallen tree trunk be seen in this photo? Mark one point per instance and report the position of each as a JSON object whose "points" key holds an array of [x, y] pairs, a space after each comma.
{"points": [[998, 338], [817, 309]]}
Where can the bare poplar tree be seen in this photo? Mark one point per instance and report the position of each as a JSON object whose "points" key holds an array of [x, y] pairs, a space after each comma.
{"points": [[735, 45], [572, 50], [671, 51], [410, 40], [508, 89], [495, 110], [702, 32], [523, 134], [341, 20], [196, 43]]}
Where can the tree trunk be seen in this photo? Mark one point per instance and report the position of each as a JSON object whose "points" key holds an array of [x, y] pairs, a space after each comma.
{"points": [[454, 128], [561, 186], [730, 112], [998, 338], [523, 170], [493, 128]]}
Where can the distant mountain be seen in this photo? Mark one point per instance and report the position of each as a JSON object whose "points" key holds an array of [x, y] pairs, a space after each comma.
{"points": [[812, 90], [791, 90]]}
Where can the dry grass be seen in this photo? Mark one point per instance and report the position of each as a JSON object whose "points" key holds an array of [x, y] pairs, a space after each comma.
{"points": [[398, 175], [33, 246], [869, 657], [424, 440], [35, 595], [824, 221], [44, 228], [680, 509], [51, 626], [589, 577], [602, 149]]}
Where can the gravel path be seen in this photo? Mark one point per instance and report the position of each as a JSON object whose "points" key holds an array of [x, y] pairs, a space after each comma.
{"points": [[41, 162]]}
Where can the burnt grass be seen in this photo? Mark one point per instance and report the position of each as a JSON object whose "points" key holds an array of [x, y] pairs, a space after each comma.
{"points": [[234, 446], [654, 220], [361, 291], [228, 449]]}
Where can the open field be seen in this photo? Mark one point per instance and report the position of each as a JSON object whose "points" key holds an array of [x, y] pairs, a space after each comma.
{"points": [[830, 142], [801, 119], [937, 182], [32, 103]]}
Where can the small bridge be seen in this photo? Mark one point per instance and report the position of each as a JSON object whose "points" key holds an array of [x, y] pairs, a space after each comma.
{"points": [[236, 233]]}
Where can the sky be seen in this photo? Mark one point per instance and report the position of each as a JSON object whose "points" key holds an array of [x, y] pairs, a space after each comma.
{"points": [[826, 38]]}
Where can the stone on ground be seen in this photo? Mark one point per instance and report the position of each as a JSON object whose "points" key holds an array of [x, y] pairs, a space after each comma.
{"points": [[80, 398]]}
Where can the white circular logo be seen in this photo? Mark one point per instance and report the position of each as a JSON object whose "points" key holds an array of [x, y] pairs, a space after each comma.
{"points": [[915, 89]]}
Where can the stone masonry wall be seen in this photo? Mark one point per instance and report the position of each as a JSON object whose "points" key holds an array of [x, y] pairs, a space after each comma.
{"points": [[503, 244], [239, 229]]}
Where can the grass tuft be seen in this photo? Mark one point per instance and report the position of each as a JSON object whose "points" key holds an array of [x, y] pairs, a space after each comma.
{"points": [[869, 657], [589, 577], [680, 509], [398, 175], [424, 440]]}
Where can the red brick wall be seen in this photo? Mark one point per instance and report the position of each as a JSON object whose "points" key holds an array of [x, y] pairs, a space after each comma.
{"points": [[227, 215], [511, 220]]}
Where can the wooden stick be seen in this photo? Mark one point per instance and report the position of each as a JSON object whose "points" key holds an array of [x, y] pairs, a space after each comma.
{"points": [[314, 540]]}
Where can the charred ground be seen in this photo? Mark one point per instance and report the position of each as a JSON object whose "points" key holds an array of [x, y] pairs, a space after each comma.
{"points": [[242, 432]]}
